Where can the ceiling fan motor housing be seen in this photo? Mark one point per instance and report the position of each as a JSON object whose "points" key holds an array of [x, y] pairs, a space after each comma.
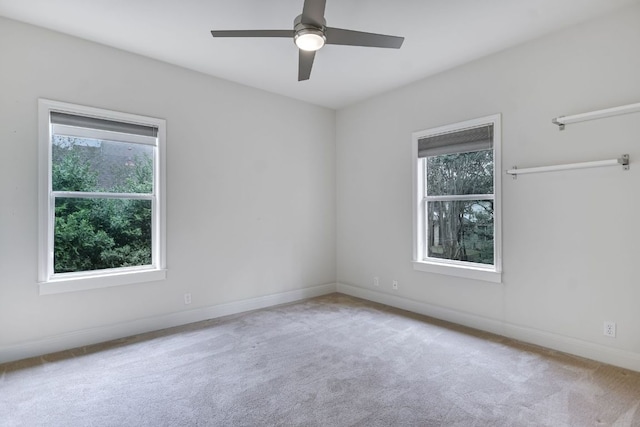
{"points": [[308, 36]]}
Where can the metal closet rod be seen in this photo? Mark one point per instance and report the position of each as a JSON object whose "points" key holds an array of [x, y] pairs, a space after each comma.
{"points": [[623, 161], [600, 114]]}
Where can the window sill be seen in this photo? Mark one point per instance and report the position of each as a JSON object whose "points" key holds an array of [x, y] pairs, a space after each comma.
{"points": [[84, 283], [484, 274]]}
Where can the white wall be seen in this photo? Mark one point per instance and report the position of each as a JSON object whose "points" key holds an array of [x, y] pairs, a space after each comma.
{"points": [[570, 238], [250, 196]]}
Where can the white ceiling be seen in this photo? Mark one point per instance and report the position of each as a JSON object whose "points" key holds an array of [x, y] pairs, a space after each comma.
{"points": [[439, 34]]}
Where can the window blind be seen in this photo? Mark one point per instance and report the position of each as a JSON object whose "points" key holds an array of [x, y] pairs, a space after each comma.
{"points": [[66, 119], [472, 139]]}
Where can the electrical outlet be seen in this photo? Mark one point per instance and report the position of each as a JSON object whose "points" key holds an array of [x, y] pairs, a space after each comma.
{"points": [[394, 285], [610, 329], [187, 298], [376, 281]]}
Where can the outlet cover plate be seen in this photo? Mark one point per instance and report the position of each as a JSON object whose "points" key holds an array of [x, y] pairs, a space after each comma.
{"points": [[610, 329]]}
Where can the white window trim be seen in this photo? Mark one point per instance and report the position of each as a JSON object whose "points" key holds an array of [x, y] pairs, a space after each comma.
{"points": [[467, 270], [71, 282]]}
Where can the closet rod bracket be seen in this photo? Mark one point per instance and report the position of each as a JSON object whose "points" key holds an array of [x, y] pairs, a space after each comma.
{"points": [[624, 161], [556, 122]]}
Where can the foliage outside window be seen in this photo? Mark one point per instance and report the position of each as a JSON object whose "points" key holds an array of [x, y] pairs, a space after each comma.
{"points": [[100, 231], [457, 210], [102, 207]]}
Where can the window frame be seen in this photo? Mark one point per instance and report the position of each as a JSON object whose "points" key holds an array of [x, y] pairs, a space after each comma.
{"points": [[465, 269], [52, 283]]}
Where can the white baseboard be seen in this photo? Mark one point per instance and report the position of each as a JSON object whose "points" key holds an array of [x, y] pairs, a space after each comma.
{"points": [[106, 333], [589, 350], [617, 357], [437, 312]]}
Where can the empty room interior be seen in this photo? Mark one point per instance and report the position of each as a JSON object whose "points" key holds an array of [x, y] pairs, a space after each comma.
{"points": [[430, 217]]}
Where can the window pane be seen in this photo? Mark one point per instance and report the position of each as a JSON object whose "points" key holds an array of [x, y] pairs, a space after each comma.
{"points": [[461, 173], [94, 234], [82, 164], [460, 230]]}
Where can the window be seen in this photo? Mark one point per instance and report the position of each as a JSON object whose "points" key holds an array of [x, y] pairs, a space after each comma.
{"points": [[457, 199], [101, 198]]}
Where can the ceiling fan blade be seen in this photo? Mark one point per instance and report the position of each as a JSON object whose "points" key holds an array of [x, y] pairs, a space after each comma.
{"points": [[305, 62], [313, 12], [359, 38], [253, 33]]}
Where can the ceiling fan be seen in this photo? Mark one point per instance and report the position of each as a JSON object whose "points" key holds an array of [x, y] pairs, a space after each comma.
{"points": [[310, 33]]}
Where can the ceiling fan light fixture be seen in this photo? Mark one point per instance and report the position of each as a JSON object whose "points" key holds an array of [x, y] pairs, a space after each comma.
{"points": [[310, 39]]}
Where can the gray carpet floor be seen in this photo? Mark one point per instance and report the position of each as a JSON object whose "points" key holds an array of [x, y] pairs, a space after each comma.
{"points": [[328, 361]]}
